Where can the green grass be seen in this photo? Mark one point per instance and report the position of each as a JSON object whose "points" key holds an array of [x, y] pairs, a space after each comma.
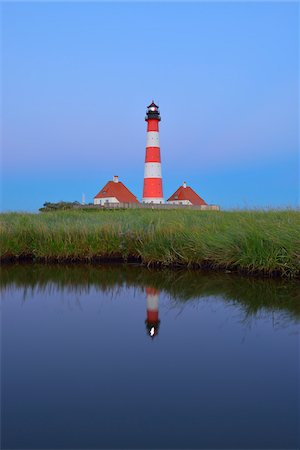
{"points": [[264, 242]]}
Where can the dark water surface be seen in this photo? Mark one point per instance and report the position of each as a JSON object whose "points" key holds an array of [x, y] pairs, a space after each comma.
{"points": [[127, 358]]}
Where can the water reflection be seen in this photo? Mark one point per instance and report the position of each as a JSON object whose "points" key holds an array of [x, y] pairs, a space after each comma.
{"points": [[152, 321], [85, 347], [250, 294]]}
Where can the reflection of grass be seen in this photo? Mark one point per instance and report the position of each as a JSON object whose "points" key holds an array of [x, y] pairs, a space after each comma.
{"points": [[182, 285], [250, 241]]}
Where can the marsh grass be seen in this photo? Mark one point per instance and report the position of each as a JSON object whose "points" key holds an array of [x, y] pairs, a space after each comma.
{"points": [[256, 242]]}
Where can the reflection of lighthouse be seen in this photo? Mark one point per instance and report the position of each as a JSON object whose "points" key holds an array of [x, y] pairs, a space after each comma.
{"points": [[152, 321]]}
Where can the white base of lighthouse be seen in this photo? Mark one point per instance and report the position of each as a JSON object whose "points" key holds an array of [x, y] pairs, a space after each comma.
{"points": [[157, 201]]}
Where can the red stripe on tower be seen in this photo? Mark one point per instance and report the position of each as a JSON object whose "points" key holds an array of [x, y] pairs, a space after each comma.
{"points": [[153, 192]]}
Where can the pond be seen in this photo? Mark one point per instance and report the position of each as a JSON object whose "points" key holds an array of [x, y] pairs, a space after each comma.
{"points": [[123, 357]]}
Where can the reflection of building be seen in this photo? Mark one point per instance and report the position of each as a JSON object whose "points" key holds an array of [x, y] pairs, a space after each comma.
{"points": [[152, 321]]}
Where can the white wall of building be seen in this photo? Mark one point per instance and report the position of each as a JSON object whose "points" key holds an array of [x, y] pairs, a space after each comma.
{"points": [[102, 201], [179, 202]]}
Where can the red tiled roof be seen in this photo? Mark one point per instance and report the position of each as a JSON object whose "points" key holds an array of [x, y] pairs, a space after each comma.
{"points": [[187, 193], [118, 190]]}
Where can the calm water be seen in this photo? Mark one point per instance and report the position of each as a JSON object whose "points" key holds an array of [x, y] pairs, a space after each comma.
{"points": [[127, 358]]}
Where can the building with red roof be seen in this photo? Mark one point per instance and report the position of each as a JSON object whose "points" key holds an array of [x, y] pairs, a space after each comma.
{"points": [[114, 192], [185, 195]]}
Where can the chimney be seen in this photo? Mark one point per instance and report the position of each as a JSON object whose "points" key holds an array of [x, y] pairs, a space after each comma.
{"points": [[116, 179], [184, 184]]}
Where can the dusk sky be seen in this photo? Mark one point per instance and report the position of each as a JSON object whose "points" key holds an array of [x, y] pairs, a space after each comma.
{"points": [[77, 78]]}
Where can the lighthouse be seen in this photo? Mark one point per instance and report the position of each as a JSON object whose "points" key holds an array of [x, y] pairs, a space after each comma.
{"points": [[152, 322], [153, 192]]}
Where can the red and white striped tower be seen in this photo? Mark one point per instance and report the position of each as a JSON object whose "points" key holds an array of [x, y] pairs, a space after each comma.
{"points": [[153, 192], [152, 321]]}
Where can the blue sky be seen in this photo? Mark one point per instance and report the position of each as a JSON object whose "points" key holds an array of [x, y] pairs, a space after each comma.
{"points": [[77, 78]]}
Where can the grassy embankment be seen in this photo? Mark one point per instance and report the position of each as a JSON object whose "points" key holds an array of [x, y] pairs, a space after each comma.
{"points": [[254, 242]]}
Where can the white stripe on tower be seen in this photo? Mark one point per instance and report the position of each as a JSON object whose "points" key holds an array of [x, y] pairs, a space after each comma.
{"points": [[152, 170], [152, 192], [152, 139]]}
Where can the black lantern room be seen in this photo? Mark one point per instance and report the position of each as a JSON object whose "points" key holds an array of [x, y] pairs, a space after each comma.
{"points": [[152, 112]]}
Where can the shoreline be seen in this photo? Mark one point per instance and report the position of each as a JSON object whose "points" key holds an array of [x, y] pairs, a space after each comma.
{"points": [[197, 268]]}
